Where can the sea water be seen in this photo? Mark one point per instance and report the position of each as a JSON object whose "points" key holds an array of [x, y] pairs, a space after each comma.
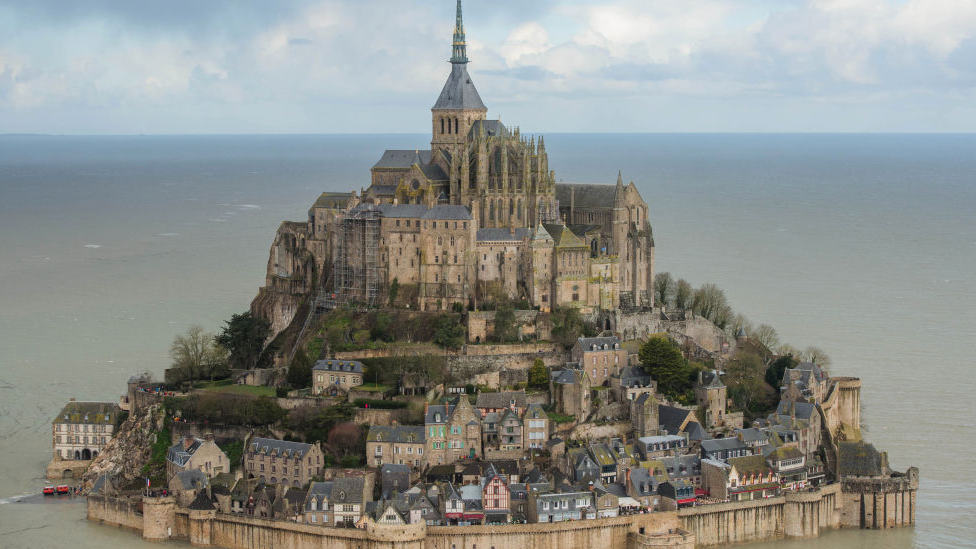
{"points": [[864, 245]]}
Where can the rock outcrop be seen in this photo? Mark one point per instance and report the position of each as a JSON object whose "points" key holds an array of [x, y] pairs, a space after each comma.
{"points": [[124, 457]]}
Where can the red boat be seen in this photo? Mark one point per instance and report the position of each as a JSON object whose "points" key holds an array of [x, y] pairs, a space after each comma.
{"points": [[63, 489], [48, 490]]}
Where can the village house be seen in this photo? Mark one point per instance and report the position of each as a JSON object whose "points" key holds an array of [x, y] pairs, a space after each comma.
{"points": [[398, 444], [570, 390], [601, 357], [348, 500], [535, 427], [642, 487], [560, 506], [789, 463], [453, 431], [317, 506], [679, 493], [82, 429], [495, 496], [722, 449], [394, 479], [488, 403], [632, 382], [805, 382], [278, 461], [712, 396], [751, 478], [606, 499], [196, 454], [661, 446], [450, 504], [334, 377], [802, 417]]}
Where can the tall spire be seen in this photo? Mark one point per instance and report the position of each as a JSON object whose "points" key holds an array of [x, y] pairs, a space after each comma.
{"points": [[460, 48]]}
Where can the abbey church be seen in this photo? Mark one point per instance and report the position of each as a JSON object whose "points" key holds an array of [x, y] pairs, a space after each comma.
{"points": [[476, 217]]}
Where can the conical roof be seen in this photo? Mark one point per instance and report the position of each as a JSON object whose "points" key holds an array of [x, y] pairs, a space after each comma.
{"points": [[459, 91]]}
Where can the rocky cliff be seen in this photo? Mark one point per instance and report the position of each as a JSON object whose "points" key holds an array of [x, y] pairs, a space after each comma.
{"points": [[129, 450]]}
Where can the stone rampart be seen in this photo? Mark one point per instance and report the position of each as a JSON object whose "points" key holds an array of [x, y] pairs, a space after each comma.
{"points": [[738, 522], [879, 503], [842, 405], [122, 512]]}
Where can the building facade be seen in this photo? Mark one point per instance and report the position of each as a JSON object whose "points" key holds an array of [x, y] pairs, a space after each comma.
{"points": [[282, 462], [82, 429]]}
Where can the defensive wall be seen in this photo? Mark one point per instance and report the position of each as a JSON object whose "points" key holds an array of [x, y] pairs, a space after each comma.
{"points": [[794, 515], [842, 405]]}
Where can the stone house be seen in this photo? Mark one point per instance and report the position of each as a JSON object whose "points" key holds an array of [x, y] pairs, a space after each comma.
{"points": [[559, 506], [753, 438], [751, 478], [334, 377], [661, 446], [642, 487], [184, 485], [606, 460], [790, 465], [686, 467], [82, 429], [722, 449], [680, 493], [535, 427], [453, 431], [510, 431], [601, 357], [394, 479], [645, 415], [606, 501], [570, 389], [196, 454], [630, 383], [317, 503], [805, 382], [499, 402], [282, 462], [397, 444], [804, 418], [348, 499], [711, 395]]}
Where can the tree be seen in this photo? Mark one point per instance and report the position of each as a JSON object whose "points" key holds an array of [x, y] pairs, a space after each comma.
{"points": [[736, 323], [766, 334], [344, 438], [244, 337], [300, 370], [787, 349], [683, 293], [196, 355], [662, 359], [505, 326], [394, 291], [709, 301], [538, 374], [663, 289], [568, 325], [449, 332], [745, 377], [818, 356], [776, 370]]}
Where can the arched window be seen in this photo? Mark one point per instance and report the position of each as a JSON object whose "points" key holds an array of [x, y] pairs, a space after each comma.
{"points": [[455, 125], [520, 208], [491, 211], [442, 131], [511, 207]]}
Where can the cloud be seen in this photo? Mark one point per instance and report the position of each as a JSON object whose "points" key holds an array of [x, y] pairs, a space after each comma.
{"points": [[336, 65]]}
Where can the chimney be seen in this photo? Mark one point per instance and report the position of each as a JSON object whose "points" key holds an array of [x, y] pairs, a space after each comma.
{"points": [[187, 442], [426, 406]]}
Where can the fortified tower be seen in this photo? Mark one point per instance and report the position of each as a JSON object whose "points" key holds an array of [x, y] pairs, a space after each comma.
{"points": [[459, 104]]}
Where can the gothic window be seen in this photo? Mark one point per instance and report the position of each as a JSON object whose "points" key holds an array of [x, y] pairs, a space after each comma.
{"points": [[455, 125], [440, 241], [452, 244], [520, 209], [491, 211], [511, 207], [442, 125]]}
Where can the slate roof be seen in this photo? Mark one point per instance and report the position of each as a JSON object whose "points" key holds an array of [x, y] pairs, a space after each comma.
{"points": [[192, 480], [535, 411], [803, 410], [672, 417], [711, 380], [433, 172], [751, 435], [336, 201], [587, 343], [87, 413], [431, 416], [270, 446], [202, 502], [399, 159], [564, 377], [859, 459], [384, 190], [179, 455], [450, 212], [398, 433], [502, 235], [582, 230], [633, 376], [642, 482], [400, 211], [493, 128], [347, 490], [585, 196], [563, 237], [749, 464], [785, 452], [719, 444], [501, 399], [459, 91], [351, 366], [319, 492]]}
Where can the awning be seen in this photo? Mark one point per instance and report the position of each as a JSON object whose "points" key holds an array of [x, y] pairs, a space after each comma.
{"points": [[628, 502]]}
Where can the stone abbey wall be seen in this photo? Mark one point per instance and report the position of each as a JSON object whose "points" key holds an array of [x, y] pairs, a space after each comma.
{"points": [[793, 515]]}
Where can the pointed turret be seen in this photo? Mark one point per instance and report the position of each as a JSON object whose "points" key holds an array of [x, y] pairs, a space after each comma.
{"points": [[460, 48]]}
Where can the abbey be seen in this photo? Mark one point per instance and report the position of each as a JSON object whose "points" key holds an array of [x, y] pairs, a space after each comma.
{"points": [[477, 217]]}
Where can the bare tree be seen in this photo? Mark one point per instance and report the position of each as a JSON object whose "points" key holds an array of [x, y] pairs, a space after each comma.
{"points": [[818, 356], [767, 335], [710, 302], [737, 322], [344, 438], [682, 294], [787, 349], [664, 289], [196, 355]]}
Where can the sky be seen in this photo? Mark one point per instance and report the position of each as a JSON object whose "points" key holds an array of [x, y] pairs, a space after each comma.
{"points": [[377, 66]]}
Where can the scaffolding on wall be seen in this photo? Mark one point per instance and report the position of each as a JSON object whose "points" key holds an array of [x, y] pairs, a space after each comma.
{"points": [[357, 270]]}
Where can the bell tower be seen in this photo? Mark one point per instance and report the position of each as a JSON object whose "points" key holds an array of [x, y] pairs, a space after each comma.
{"points": [[459, 105]]}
